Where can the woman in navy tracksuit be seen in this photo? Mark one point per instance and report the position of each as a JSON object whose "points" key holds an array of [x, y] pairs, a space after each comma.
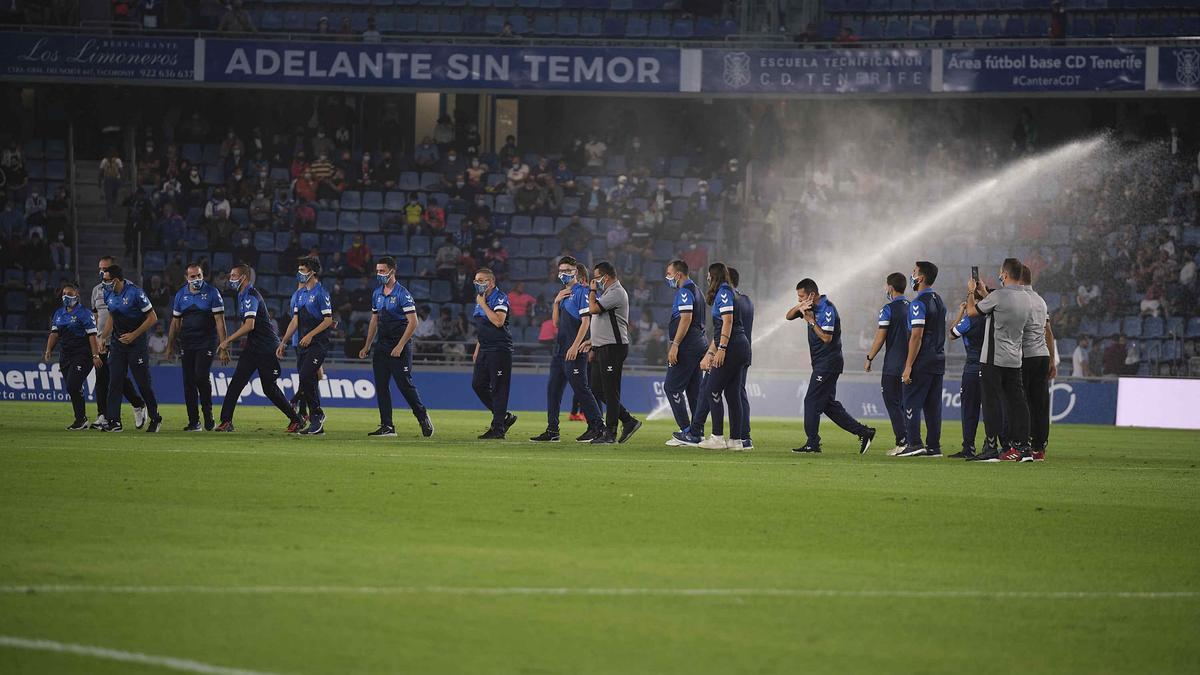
{"points": [[729, 350], [73, 329]]}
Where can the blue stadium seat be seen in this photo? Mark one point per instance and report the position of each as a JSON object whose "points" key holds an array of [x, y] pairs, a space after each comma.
{"points": [[872, 30], [372, 201], [521, 225], [348, 221], [614, 26], [919, 29], [1105, 27], [544, 25], [410, 181], [351, 200], [1153, 327], [406, 22], [519, 23], [214, 175], [264, 241], [326, 221], [504, 204], [897, 29], [922, 5], [590, 26], [450, 24], [1081, 27], [368, 221], [419, 246], [428, 23], [1132, 326], [659, 28], [1014, 27], [621, 5], [281, 241], [966, 28], [637, 27], [543, 225], [568, 26], [397, 244], [991, 28], [1036, 27], [682, 28], [271, 20], [943, 29]]}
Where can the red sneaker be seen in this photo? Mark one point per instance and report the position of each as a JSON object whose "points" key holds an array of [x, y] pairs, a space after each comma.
{"points": [[1010, 455], [225, 427], [1039, 455], [578, 417], [296, 426]]}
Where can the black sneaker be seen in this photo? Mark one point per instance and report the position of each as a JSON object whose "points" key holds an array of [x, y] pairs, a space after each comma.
{"points": [[193, 426], [154, 425], [932, 452], [384, 430], [588, 436], [79, 425], [965, 453], [426, 426], [492, 435], [865, 440], [604, 437], [209, 423], [509, 420], [1026, 453], [814, 449], [913, 451], [628, 430], [988, 455], [113, 427], [225, 427], [316, 426], [547, 436]]}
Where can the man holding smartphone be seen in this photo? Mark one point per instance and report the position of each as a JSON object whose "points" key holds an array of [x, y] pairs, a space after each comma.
{"points": [[926, 364]]}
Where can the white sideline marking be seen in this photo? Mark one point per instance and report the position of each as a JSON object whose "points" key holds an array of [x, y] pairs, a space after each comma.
{"points": [[169, 662], [584, 591]]}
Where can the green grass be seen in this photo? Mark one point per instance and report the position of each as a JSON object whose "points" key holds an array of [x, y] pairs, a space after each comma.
{"points": [[1112, 511]]}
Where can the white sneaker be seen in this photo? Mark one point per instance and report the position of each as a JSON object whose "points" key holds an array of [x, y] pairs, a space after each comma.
{"points": [[895, 451], [139, 417], [734, 444], [101, 422], [714, 442], [673, 442]]}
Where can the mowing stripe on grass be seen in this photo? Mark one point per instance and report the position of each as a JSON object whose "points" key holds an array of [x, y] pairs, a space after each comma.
{"points": [[168, 662], [606, 592]]}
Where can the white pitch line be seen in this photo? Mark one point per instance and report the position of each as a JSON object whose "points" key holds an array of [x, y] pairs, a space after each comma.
{"points": [[595, 591], [168, 662]]}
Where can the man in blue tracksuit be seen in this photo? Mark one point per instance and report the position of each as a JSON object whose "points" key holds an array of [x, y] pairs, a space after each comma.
{"points": [[825, 349], [493, 353], [74, 331], [198, 323], [258, 354], [892, 333], [572, 316], [394, 320], [686, 333], [312, 317], [969, 329], [131, 315], [925, 365]]}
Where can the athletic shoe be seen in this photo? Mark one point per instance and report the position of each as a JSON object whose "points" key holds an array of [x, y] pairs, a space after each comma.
{"points": [[79, 425], [1026, 454], [193, 426], [577, 417], [316, 426], [294, 426], [605, 437], [965, 453], [628, 430], [713, 442], [546, 436], [139, 417], [155, 425], [814, 449], [492, 435], [733, 444], [100, 423], [208, 421], [1011, 455], [687, 438], [912, 451], [1039, 455], [224, 427], [747, 444], [933, 452], [384, 430], [865, 440], [113, 427], [588, 436], [896, 450], [509, 420], [426, 426], [673, 442]]}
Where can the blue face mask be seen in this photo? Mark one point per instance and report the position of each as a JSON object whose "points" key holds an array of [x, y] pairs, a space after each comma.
{"points": [[1000, 278], [600, 285], [108, 285], [383, 278], [672, 282], [914, 281], [566, 278], [195, 284], [302, 278], [70, 301], [887, 295], [235, 284], [480, 289]]}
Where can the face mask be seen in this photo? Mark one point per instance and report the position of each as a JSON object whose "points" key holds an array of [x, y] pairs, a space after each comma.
{"points": [[480, 289], [671, 282], [1000, 278], [887, 295], [914, 282], [565, 277], [383, 278], [302, 278], [195, 284], [235, 284], [600, 285], [69, 301], [100, 276]]}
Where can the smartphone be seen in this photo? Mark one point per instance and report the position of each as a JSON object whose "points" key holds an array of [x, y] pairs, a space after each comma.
{"points": [[975, 273]]}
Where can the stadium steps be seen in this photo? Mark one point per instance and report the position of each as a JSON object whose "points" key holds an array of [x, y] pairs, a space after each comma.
{"points": [[97, 237]]}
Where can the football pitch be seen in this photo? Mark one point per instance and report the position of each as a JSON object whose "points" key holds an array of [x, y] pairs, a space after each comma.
{"points": [[258, 552]]}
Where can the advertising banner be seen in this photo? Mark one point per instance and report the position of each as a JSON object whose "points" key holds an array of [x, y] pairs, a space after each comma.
{"points": [[82, 57], [1072, 401], [1048, 69], [1158, 402], [1179, 68], [816, 71], [435, 67]]}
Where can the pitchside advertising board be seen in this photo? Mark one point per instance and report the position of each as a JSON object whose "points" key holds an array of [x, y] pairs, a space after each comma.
{"points": [[1073, 401], [548, 68]]}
